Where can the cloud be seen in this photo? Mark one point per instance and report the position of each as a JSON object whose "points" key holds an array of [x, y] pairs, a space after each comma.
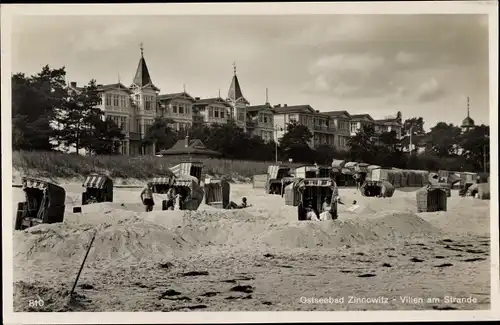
{"points": [[102, 38], [429, 91], [404, 57], [394, 58]]}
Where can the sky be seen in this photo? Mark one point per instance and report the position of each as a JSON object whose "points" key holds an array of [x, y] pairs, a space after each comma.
{"points": [[421, 65]]}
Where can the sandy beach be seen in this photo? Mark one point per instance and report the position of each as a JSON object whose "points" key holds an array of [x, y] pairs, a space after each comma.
{"points": [[383, 256]]}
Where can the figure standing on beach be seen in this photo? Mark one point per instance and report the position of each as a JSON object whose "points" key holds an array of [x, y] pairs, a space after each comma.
{"points": [[171, 198], [147, 197]]}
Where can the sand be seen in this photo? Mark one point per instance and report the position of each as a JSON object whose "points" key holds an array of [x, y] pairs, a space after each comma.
{"points": [[260, 258]]}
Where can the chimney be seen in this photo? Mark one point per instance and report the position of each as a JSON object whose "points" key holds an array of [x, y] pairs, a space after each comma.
{"points": [[285, 105], [317, 111], [197, 98], [73, 84], [187, 141]]}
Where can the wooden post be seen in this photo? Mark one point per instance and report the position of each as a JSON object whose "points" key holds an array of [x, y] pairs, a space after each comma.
{"points": [[81, 267]]}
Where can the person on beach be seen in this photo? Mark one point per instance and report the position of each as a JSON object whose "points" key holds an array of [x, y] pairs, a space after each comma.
{"points": [[171, 198], [147, 197], [310, 213], [244, 204], [327, 210], [178, 202]]}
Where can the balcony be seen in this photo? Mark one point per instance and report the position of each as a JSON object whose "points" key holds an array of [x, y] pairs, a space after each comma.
{"points": [[324, 128]]}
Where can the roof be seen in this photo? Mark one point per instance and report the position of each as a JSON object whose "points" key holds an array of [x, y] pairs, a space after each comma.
{"points": [[258, 108], [468, 122], [186, 146], [114, 86], [361, 117], [235, 92], [212, 100], [181, 95], [142, 77], [294, 109], [337, 113], [388, 121]]}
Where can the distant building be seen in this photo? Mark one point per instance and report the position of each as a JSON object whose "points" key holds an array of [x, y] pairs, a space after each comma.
{"points": [[320, 124], [211, 111], [342, 122], [260, 121], [178, 107], [238, 103], [358, 121], [131, 108], [380, 126], [390, 124]]}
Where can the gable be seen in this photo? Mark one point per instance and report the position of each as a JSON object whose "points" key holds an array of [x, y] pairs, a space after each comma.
{"points": [[196, 144]]}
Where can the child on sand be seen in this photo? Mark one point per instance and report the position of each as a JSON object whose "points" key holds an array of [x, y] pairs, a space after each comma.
{"points": [[147, 197]]}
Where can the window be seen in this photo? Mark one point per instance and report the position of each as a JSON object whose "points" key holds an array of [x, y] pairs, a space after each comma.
{"points": [[216, 113], [123, 100], [241, 115], [116, 100], [222, 113], [210, 112], [123, 147], [181, 108], [108, 99], [148, 103], [174, 109], [265, 119], [137, 99], [354, 127]]}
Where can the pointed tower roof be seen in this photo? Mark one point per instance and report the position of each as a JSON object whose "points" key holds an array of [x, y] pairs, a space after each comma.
{"points": [[235, 92], [468, 122], [142, 77]]}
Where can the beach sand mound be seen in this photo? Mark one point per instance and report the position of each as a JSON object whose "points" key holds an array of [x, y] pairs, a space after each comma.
{"points": [[131, 238], [125, 236], [357, 230]]}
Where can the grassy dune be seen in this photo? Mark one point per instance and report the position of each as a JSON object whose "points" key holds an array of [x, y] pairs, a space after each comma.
{"points": [[52, 164]]}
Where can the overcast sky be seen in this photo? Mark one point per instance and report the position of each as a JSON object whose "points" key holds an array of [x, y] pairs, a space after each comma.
{"points": [[422, 65]]}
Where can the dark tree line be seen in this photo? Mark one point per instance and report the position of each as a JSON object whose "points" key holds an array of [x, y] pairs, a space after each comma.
{"points": [[46, 116]]}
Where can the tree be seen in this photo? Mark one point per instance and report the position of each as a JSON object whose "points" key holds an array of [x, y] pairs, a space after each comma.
{"points": [[475, 145], [295, 143], [78, 118], [107, 137], [389, 151], [443, 139], [228, 139], [415, 124], [362, 145], [325, 154], [161, 134], [34, 101]]}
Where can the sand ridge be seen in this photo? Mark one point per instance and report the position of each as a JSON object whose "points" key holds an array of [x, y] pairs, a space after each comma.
{"points": [[234, 240]]}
